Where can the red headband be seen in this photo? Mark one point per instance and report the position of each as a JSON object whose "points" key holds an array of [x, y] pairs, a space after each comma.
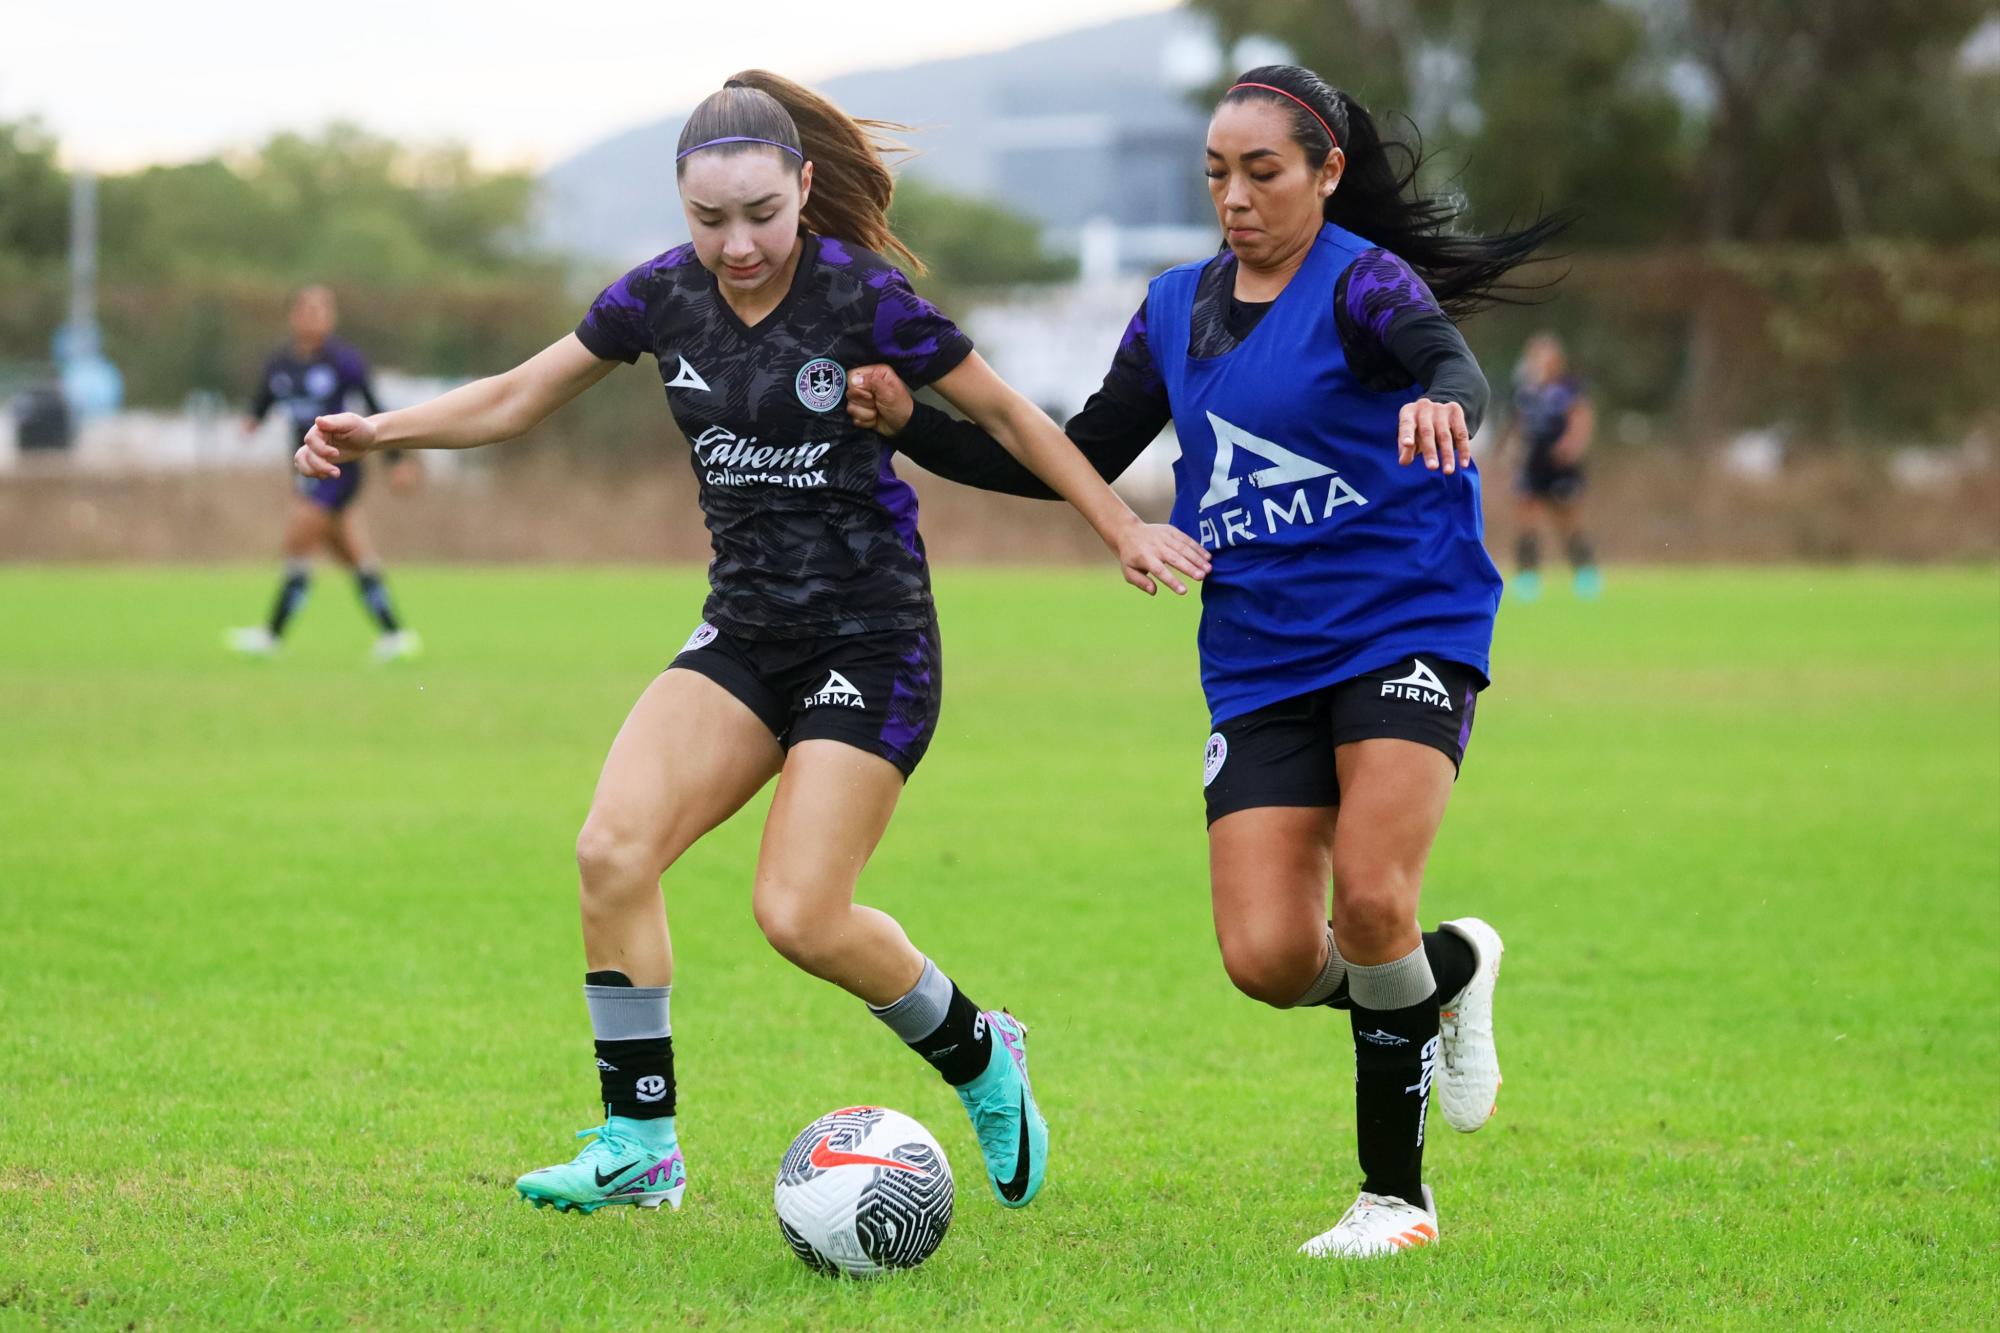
{"points": [[1301, 101]]}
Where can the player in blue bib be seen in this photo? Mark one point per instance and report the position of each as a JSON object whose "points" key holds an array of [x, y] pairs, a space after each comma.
{"points": [[818, 660], [1347, 622]]}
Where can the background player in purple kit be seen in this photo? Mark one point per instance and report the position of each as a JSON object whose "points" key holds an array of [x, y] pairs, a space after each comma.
{"points": [[818, 659], [315, 375], [1553, 423]]}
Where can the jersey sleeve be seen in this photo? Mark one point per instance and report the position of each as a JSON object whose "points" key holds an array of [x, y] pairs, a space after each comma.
{"points": [[614, 328], [912, 335], [357, 379], [1380, 291], [1124, 416], [262, 401]]}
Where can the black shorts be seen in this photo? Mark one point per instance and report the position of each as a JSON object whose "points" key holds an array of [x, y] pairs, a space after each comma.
{"points": [[1544, 480], [877, 692], [1282, 754]]}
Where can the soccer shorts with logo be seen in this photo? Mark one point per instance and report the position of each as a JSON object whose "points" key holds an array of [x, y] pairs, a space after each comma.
{"points": [[333, 494], [1282, 753], [878, 692]]}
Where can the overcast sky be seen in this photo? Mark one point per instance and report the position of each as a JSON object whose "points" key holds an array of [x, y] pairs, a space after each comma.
{"points": [[525, 82]]}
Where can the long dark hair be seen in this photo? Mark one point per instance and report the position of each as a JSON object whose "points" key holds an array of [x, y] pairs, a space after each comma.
{"points": [[1378, 200], [852, 186]]}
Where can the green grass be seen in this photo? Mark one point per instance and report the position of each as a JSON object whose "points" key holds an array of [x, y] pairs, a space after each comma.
{"points": [[289, 967]]}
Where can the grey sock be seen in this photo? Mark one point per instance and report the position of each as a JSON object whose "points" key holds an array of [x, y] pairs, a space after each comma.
{"points": [[1329, 978], [922, 1011], [629, 1013], [1398, 985]]}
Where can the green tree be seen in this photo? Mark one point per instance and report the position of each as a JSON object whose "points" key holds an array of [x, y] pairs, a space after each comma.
{"points": [[971, 243]]}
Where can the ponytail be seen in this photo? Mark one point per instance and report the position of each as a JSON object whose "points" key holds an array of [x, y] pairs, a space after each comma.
{"points": [[852, 186], [1378, 201]]}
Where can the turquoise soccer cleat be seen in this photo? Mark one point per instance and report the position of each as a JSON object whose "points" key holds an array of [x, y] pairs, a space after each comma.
{"points": [[1526, 586], [1588, 584], [629, 1162], [1013, 1136]]}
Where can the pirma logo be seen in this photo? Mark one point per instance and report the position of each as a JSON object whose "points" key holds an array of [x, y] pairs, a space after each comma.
{"points": [[1421, 685], [837, 690], [1214, 758], [686, 378], [820, 383], [703, 636]]}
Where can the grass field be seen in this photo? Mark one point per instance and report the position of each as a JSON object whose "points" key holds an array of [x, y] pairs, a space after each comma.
{"points": [[289, 968]]}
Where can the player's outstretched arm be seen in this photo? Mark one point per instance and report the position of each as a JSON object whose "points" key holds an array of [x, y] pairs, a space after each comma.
{"points": [[1147, 552], [486, 411]]}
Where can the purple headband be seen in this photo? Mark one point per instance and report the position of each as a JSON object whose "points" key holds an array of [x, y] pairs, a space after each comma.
{"points": [[742, 138]]}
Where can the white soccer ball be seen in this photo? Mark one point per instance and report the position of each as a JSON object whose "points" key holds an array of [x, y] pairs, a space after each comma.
{"points": [[863, 1190]]}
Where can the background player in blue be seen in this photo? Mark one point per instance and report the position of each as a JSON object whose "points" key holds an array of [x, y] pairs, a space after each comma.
{"points": [[818, 661], [316, 375], [1347, 621], [1553, 423]]}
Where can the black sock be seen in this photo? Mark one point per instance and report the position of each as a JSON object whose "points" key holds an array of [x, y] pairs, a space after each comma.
{"points": [[291, 594], [1395, 1056], [1528, 552], [1452, 962], [635, 1077], [962, 1046], [376, 598], [1580, 554]]}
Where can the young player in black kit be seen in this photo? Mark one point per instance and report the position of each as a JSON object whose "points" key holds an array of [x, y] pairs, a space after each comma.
{"points": [[1553, 424], [315, 375], [818, 659]]}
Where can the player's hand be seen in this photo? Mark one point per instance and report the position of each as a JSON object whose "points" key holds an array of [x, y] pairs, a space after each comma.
{"points": [[1435, 430], [1150, 551], [340, 438], [878, 400], [406, 475]]}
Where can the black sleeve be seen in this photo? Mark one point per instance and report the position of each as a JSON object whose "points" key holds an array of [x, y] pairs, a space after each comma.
{"points": [[1433, 351], [260, 404], [1110, 431], [1124, 416], [365, 386]]}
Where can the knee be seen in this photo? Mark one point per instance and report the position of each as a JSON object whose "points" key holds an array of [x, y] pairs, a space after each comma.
{"points": [[1374, 906], [1270, 967], [793, 930], [614, 865]]}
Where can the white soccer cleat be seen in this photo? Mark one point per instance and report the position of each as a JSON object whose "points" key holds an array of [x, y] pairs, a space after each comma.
{"points": [[251, 640], [398, 646], [1469, 1083], [1377, 1225]]}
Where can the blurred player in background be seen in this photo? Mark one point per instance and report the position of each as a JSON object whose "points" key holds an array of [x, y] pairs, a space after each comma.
{"points": [[818, 660], [315, 375], [1554, 423], [1348, 620]]}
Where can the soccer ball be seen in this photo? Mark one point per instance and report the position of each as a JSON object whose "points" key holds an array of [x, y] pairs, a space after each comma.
{"points": [[863, 1190]]}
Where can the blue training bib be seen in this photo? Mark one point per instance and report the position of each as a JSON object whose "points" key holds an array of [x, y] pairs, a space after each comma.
{"points": [[1330, 560]]}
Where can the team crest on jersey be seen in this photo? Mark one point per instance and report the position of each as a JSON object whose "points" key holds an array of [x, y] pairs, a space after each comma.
{"points": [[320, 381], [1214, 758], [703, 636], [820, 383]]}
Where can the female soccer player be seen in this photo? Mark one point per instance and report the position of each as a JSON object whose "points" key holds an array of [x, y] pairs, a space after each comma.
{"points": [[313, 376], [1554, 421], [1347, 621], [817, 662]]}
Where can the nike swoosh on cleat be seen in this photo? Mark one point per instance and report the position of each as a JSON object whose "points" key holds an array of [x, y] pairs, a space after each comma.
{"points": [[1012, 1190], [603, 1179]]}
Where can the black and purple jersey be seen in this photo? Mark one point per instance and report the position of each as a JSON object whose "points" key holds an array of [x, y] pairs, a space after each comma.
{"points": [[313, 386], [1544, 410], [814, 534]]}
